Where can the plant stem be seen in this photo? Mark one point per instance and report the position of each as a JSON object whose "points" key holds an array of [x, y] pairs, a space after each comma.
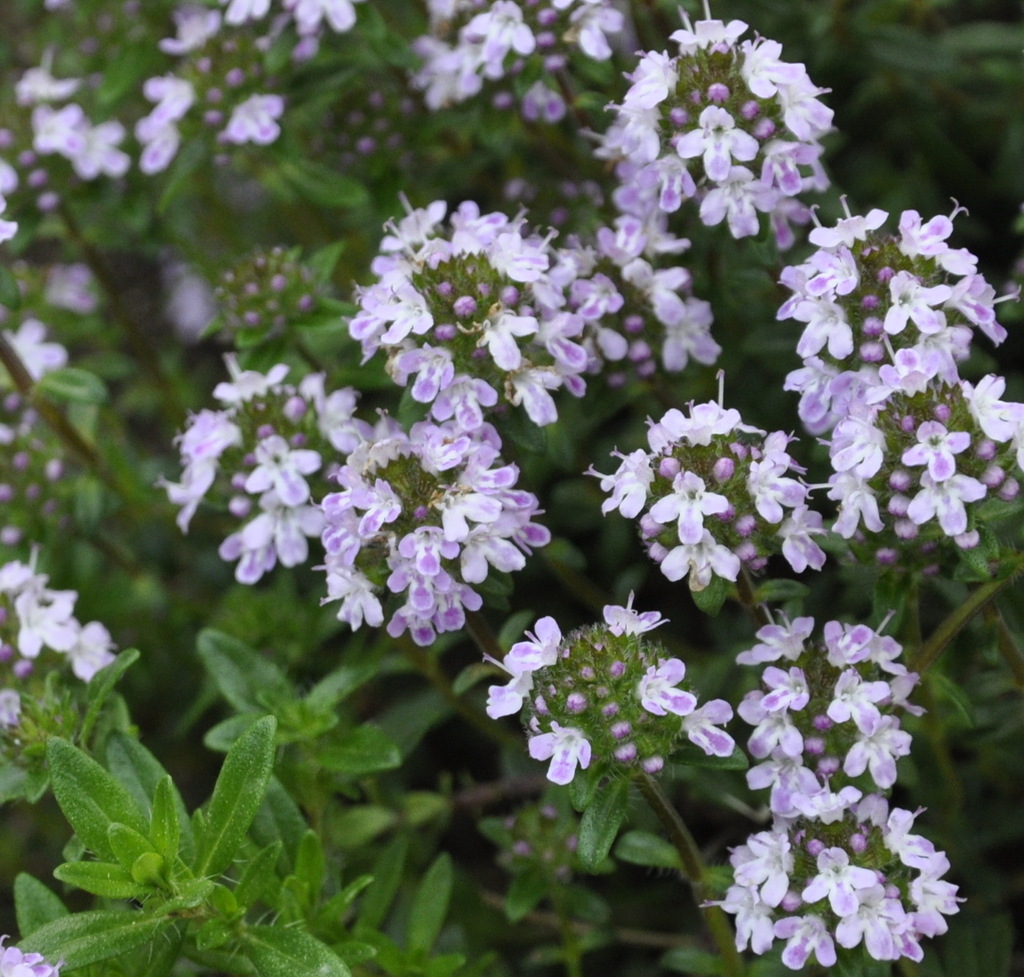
{"points": [[693, 868], [745, 591], [428, 667], [958, 620]]}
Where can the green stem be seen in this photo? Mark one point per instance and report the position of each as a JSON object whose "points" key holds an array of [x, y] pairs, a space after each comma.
{"points": [[1006, 645], [428, 667], [693, 868], [571, 947], [958, 620], [745, 592]]}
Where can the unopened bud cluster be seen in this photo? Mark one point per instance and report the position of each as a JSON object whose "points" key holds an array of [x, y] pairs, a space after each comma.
{"points": [[607, 695], [537, 838], [714, 495], [725, 122], [265, 293], [838, 864]]}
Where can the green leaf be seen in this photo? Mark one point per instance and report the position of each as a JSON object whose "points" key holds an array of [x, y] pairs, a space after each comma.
{"points": [[314, 183], [583, 788], [387, 876], [778, 591], [279, 819], [245, 678], [310, 865], [237, 795], [165, 824], [101, 879], [646, 848], [258, 876], [691, 961], [600, 823], [10, 294], [71, 385], [526, 890], [361, 823], [141, 773], [710, 599], [89, 796], [364, 750], [100, 687], [339, 685], [34, 904], [221, 737], [276, 951], [430, 905], [89, 937], [127, 844]]}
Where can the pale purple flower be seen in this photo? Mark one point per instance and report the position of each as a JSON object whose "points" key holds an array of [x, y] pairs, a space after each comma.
{"points": [[255, 121], [701, 728], [658, 693], [945, 501], [935, 448], [281, 468], [838, 880], [566, 747], [805, 935]]}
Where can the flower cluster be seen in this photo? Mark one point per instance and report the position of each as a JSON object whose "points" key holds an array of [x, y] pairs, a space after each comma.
{"points": [[220, 74], [257, 454], [473, 41], [264, 293], [55, 141], [604, 694], [468, 313], [838, 865], [35, 619], [752, 121], [424, 515], [887, 320], [716, 495], [634, 311]]}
